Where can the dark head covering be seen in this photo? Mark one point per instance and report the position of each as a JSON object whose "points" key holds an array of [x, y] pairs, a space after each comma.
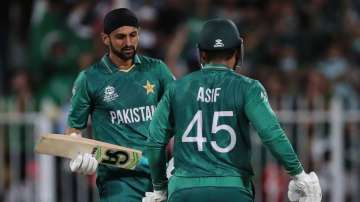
{"points": [[118, 18], [219, 34]]}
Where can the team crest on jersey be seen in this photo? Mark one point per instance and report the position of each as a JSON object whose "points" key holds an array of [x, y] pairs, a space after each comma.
{"points": [[149, 87], [110, 94]]}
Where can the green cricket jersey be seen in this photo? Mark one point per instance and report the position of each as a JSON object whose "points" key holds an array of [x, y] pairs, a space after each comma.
{"points": [[121, 104], [209, 113]]}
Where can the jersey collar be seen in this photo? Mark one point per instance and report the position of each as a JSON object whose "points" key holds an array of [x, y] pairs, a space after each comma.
{"points": [[111, 67], [216, 66]]}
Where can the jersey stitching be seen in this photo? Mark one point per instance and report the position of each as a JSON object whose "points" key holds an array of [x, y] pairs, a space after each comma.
{"points": [[106, 65]]}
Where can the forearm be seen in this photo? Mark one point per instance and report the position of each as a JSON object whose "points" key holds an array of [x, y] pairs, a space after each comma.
{"points": [[157, 163], [276, 141], [158, 139]]}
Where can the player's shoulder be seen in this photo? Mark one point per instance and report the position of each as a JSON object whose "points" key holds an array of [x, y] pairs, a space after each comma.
{"points": [[94, 73], [244, 80], [95, 69], [230, 75], [249, 84], [146, 60], [156, 67], [185, 79]]}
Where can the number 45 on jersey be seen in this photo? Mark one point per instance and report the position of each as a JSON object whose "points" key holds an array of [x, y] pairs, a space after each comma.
{"points": [[200, 139]]}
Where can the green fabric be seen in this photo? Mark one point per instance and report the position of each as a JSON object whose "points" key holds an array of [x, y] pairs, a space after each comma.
{"points": [[50, 31], [157, 152], [216, 102], [129, 189], [120, 106], [211, 194], [264, 120], [51, 23], [179, 183], [159, 174], [54, 56], [58, 89]]}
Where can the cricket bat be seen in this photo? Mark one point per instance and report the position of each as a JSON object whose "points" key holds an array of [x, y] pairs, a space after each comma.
{"points": [[67, 146]]}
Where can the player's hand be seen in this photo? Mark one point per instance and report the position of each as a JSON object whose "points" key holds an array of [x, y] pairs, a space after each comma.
{"points": [[84, 163], [75, 134], [305, 188], [156, 196]]}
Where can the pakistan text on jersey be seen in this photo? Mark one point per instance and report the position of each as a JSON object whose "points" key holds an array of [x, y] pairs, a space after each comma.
{"points": [[132, 115]]}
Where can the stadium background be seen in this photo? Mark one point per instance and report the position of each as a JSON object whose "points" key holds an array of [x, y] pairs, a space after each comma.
{"points": [[305, 52]]}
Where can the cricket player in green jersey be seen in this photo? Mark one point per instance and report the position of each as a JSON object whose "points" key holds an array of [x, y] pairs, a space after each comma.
{"points": [[120, 93], [209, 114]]}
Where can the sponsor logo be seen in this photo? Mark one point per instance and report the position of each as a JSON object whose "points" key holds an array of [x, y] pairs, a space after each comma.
{"points": [[110, 94], [218, 43]]}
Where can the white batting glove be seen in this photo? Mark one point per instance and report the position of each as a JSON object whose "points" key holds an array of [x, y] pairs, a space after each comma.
{"points": [[170, 168], [75, 134], [305, 188], [293, 193], [156, 196], [84, 163]]}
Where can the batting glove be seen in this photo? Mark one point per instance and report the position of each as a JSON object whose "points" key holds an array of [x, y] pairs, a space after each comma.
{"points": [[84, 163], [305, 188], [169, 168], [156, 196]]}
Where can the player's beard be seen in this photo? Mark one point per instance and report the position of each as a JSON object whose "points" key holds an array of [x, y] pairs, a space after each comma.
{"points": [[126, 53]]}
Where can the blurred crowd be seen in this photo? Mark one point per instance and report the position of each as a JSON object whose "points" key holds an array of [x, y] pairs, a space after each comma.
{"points": [[307, 48]]}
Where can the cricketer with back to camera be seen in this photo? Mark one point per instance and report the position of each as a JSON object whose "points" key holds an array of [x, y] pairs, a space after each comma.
{"points": [[119, 92], [209, 112]]}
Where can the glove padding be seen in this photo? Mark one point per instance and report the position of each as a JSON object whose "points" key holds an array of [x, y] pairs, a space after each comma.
{"points": [[84, 163], [170, 168], [305, 188], [156, 196]]}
